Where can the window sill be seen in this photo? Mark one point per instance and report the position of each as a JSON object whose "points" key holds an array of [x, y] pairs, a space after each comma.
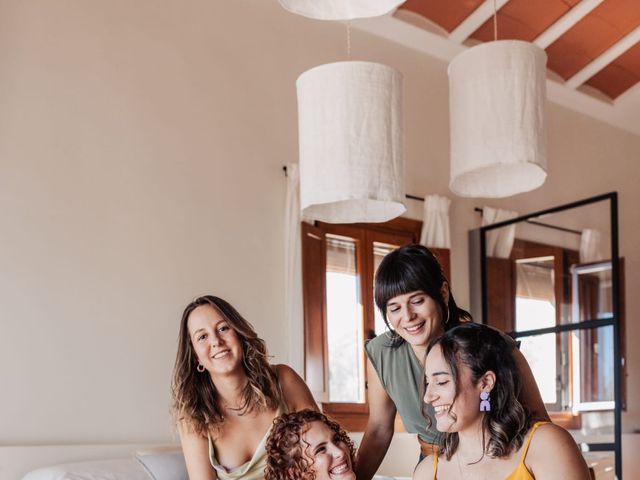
{"points": [[353, 417]]}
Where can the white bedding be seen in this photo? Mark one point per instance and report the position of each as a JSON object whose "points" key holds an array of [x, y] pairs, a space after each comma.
{"points": [[116, 469], [117, 461]]}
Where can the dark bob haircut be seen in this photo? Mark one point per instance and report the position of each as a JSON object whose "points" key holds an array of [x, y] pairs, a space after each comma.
{"points": [[411, 268]]}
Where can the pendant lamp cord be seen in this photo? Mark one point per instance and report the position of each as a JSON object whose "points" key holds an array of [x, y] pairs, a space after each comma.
{"points": [[495, 21], [348, 39]]}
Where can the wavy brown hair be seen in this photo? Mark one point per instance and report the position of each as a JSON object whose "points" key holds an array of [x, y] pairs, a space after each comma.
{"points": [[195, 398], [285, 446], [482, 348]]}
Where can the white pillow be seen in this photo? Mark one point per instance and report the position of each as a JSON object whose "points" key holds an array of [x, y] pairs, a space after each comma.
{"points": [[163, 463], [118, 469]]}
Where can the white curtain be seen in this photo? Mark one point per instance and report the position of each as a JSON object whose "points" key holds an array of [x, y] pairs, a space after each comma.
{"points": [[590, 246], [499, 241], [293, 271], [435, 223]]}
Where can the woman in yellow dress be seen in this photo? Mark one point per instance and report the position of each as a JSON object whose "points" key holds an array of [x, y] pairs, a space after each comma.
{"points": [[471, 382]]}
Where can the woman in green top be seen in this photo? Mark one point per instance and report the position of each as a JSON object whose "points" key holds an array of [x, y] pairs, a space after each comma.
{"points": [[417, 305]]}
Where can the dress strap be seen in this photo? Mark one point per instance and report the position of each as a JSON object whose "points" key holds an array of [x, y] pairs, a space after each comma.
{"points": [[526, 446], [435, 464]]}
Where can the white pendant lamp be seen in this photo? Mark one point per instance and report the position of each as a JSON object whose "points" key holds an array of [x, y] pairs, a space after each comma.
{"points": [[497, 94], [340, 9], [350, 139]]}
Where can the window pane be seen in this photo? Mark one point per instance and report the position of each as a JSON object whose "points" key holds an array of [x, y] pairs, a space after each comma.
{"points": [[344, 321], [541, 353], [592, 295], [574, 371], [535, 291], [595, 366], [380, 250], [535, 308]]}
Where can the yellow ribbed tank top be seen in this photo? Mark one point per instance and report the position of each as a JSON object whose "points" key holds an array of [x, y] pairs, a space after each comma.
{"points": [[521, 472]]}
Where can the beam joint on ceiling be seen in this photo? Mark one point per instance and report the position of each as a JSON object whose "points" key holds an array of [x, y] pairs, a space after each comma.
{"points": [[565, 22], [605, 59], [474, 21], [442, 48], [628, 95]]}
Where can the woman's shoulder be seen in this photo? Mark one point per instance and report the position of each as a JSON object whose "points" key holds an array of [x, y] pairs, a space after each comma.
{"points": [[283, 370], [550, 433], [385, 342], [294, 390], [286, 375], [552, 441], [548, 438]]}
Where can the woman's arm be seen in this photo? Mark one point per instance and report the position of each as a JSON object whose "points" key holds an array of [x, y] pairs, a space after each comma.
{"points": [[554, 455], [295, 391], [379, 432], [530, 394], [196, 454]]}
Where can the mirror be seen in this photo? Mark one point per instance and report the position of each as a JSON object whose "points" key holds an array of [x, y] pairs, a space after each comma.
{"points": [[552, 280]]}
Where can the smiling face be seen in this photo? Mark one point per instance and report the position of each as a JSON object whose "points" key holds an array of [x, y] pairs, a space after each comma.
{"points": [[453, 413], [216, 345], [329, 457], [416, 317]]}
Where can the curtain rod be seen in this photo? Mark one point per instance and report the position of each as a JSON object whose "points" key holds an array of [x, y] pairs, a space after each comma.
{"points": [[412, 197], [546, 225], [478, 209]]}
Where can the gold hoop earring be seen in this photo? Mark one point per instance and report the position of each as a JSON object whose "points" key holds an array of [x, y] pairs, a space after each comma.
{"points": [[448, 316], [200, 368]]}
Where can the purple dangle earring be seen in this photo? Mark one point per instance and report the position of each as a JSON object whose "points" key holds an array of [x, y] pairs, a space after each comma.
{"points": [[485, 402]]}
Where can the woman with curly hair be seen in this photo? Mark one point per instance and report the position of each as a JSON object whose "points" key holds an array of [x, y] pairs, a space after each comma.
{"points": [[471, 381], [306, 445], [226, 394]]}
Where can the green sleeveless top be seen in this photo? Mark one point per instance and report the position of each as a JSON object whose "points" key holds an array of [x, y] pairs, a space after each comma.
{"points": [[401, 375]]}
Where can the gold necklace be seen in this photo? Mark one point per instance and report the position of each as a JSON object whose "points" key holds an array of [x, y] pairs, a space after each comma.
{"points": [[462, 474]]}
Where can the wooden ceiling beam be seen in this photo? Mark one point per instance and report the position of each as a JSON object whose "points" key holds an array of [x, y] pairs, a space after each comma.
{"points": [[474, 21], [565, 22], [598, 63]]}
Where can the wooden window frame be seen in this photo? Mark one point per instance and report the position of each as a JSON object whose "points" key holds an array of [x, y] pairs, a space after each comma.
{"points": [[353, 416], [501, 278]]}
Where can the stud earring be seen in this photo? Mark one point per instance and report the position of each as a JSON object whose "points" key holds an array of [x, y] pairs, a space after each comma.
{"points": [[200, 368], [485, 402]]}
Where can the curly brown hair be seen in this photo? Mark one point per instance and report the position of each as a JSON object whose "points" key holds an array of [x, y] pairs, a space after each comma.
{"points": [[195, 399], [285, 450]]}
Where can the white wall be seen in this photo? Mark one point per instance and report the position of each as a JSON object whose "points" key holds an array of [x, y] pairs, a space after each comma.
{"points": [[141, 146]]}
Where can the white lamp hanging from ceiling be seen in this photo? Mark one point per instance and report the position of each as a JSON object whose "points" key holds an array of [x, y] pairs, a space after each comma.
{"points": [[340, 9], [350, 139], [497, 94]]}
